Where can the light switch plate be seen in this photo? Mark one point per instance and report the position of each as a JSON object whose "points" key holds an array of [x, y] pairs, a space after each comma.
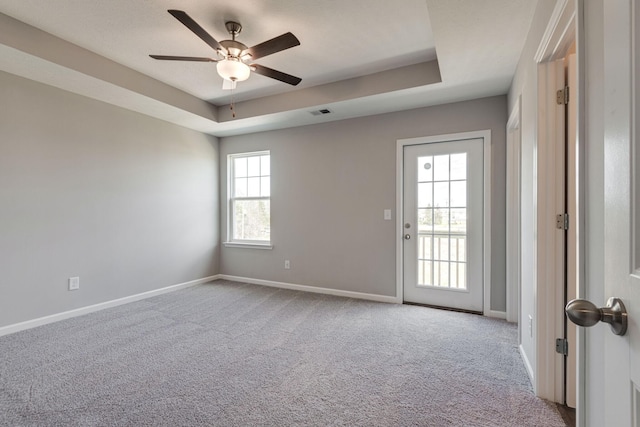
{"points": [[387, 214]]}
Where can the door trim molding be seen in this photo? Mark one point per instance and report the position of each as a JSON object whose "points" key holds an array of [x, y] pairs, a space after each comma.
{"points": [[548, 381], [513, 229], [486, 262]]}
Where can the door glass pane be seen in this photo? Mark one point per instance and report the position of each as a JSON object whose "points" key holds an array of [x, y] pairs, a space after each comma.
{"points": [[458, 194], [458, 275], [442, 220], [441, 168], [441, 247], [425, 169], [425, 195], [424, 247], [459, 166], [424, 273], [461, 275], [453, 274], [441, 194], [458, 248], [458, 221], [441, 274], [425, 220]]}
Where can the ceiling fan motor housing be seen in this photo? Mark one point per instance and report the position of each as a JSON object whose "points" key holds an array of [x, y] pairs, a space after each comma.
{"points": [[234, 48]]}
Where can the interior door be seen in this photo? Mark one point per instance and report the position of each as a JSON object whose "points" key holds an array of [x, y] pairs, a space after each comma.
{"points": [[621, 229], [443, 224], [620, 400]]}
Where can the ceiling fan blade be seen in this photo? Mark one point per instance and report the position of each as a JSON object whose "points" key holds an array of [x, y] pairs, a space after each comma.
{"points": [[197, 29], [183, 58], [274, 45], [275, 74]]}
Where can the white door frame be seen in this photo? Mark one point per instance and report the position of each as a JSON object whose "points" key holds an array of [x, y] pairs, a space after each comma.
{"points": [[560, 34], [486, 267], [513, 252]]}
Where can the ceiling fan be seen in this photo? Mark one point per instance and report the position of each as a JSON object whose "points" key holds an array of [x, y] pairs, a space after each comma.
{"points": [[234, 59]]}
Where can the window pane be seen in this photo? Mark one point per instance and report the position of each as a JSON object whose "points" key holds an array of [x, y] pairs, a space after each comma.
{"points": [[459, 194], [251, 220], [265, 165], [265, 187], [459, 166], [425, 169], [240, 187], [441, 168], [253, 166], [240, 167], [253, 187]]}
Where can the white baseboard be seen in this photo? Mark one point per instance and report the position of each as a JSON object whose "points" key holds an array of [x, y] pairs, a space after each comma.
{"points": [[314, 289], [497, 314], [527, 364], [16, 327]]}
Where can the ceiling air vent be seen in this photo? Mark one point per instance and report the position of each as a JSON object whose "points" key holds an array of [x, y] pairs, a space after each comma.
{"points": [[320, 112]]}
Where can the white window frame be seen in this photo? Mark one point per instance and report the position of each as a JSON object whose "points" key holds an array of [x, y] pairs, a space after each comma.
{"points": [[232, 241]]}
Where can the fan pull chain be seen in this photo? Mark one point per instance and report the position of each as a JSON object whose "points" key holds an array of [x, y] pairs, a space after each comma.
{"points": [[232, 105]]}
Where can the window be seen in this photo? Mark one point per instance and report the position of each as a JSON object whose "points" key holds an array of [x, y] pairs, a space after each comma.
{"points": [[249, 219]]}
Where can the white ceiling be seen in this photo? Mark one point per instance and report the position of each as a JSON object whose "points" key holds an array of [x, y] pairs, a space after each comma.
{"points": [[476, 43]]}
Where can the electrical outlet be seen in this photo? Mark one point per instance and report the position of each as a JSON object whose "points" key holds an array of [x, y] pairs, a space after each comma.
{"points": [[74, 283], [287, 264], [530, 326]]}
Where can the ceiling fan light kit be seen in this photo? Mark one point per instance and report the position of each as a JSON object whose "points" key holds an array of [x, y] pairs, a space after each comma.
{"points": [[233, 69]]}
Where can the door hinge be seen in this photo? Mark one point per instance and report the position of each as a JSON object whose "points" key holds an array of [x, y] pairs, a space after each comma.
{"points": [[562, 346], [562, 221], [562, 96]]}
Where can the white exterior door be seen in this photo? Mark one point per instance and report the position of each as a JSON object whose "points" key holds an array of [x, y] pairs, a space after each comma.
{"points": [[443, 224], [618, 397]]}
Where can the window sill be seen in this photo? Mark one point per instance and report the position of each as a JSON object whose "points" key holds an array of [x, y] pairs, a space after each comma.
{"points": [[267, 246]]}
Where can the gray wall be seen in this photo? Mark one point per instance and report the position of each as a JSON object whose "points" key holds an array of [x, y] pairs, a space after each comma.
{"points": [[330, 185], [126, 202]]}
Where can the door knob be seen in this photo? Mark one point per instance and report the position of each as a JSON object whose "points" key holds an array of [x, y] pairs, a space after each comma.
{"points": [[585, 313], [407, 236]]}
